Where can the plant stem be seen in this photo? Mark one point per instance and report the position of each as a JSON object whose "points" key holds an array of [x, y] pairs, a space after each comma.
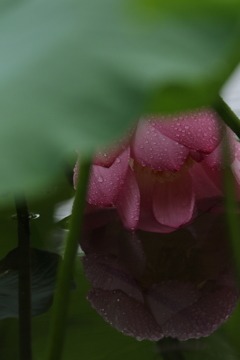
{"points": [[227, 115], [24, 279], [170, 349], [61, 298], [232, 218]]}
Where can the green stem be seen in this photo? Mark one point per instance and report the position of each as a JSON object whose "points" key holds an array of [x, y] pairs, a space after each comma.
{"points": [[61, 298], [24, 279], [227, 115], [170, 349], [232, 218]]}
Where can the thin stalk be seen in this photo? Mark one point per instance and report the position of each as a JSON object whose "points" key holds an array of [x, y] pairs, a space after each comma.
{"points": [[170, 349], [24, 279], [227, 115], [61, 298], [232, 218]]}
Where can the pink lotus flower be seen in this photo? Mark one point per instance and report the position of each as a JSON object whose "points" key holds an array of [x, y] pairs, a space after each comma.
{"points": [[165, 178], [151, 285], [166, 173]]}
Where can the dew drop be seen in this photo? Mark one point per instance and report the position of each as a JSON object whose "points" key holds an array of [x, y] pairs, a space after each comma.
{"points": [[31, 216]]}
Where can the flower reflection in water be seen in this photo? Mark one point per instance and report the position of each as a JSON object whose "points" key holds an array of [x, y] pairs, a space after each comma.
{"points": [[151, 285]]}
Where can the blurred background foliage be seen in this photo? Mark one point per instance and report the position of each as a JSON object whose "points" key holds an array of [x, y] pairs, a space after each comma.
{"points": [[76, 74]]}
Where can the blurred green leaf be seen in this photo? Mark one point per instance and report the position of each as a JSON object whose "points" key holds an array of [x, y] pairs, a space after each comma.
{"points": [[75, 74], [188, 6]]}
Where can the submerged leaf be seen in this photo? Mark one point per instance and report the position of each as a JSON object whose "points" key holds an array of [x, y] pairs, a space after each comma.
{"points": [[44, 272]]}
